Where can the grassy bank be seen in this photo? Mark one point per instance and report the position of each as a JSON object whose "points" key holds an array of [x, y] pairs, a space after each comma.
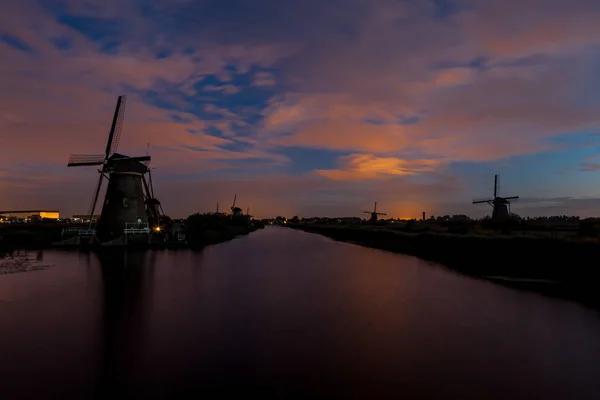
{"points": [[202, 230], [558, 267]]}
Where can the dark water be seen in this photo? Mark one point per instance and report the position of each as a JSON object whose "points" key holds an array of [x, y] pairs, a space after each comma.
{"points": [[285, 314]]}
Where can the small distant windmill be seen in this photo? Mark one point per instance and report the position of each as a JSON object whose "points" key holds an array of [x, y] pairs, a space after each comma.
{"points": [[129, 197], [248, 213], [374, 213], [235, 211], [501, 205]]}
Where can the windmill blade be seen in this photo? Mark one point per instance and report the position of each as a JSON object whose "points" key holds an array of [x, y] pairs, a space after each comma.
{"points": [[234, 199], [482, 201], [151, 184], [512, 198], [119, 126], [381, 214], [95, 199], [129, 159], [148, 193], [77, 160], [115, 128], [496, 183]]}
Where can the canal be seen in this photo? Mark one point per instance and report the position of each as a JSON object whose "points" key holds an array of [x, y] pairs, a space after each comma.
{"points": [[283, 313]]}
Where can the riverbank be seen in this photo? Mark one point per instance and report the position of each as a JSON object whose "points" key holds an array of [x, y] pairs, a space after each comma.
{"points": [[31, 235], [197, 241], [556, 267], [47, 235]]}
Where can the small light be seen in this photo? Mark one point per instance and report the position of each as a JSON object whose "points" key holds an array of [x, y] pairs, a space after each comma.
{"points": [[157, 229]]}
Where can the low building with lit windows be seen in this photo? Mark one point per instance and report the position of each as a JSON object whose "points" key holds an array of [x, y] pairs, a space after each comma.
{"points": [[29, 215]]}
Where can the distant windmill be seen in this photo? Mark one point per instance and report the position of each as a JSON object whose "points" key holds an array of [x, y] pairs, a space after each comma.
{"points": [[129, 197], [248, 213], [374, 213], [501, 205], [235, 211]]}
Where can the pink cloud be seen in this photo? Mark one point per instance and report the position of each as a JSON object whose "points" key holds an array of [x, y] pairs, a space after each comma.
{"points": [[264, 78], [352, 136], [452, 76], [63, 102], [496, 113], [559, 28]]}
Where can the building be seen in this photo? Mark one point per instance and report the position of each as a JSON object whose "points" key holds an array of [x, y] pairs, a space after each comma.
{"points": [[29, 214]]}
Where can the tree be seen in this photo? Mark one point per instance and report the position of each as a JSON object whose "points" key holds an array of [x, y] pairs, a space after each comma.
{"points": [[295, 219]]}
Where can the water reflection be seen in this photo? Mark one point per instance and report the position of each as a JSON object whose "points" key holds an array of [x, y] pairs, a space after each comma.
{"points": [[85, 257], [284, 314], [126, 298]]}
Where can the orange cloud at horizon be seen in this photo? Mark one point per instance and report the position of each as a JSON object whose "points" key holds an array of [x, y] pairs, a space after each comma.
{"points": [[367, 166]]}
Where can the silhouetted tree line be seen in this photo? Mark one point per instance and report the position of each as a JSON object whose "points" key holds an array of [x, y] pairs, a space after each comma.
{"points": [[463, 224], [199, 222], [204, 229]]}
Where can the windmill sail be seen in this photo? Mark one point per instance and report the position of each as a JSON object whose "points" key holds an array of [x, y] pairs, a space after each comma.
{"points": [[115, 129], [129, 198], [501, 205]]}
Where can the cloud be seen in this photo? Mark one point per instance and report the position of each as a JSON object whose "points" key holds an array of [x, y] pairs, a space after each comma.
{"points": [[63, 100], [452, 76], [583, 207], [264, 78], [227, 89], [366, 166], [590, 166]]}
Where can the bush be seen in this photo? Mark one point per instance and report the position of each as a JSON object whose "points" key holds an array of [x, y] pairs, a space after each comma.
{"points": [[588, 228], [200, 222]]}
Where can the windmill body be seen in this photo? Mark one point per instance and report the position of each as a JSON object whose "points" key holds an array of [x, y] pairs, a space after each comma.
{"points": [[374, 214], [129, 198], [124, 201], [236, 211], [500, 208], [500, 205]]}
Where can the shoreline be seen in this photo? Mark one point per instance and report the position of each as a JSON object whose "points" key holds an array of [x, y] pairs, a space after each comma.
{"points": [[46, 240], [552, 267]]}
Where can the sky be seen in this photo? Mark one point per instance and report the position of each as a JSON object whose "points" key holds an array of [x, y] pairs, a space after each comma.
{"points": [[309, 108]]}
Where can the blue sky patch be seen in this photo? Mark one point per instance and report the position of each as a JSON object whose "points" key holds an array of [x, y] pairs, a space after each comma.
{"points": [[307, 159], [15, 42]]}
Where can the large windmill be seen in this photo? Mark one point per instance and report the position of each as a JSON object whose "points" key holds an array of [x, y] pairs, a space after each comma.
{"points": [[500, 205], [129, 196], [374, 213]]}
